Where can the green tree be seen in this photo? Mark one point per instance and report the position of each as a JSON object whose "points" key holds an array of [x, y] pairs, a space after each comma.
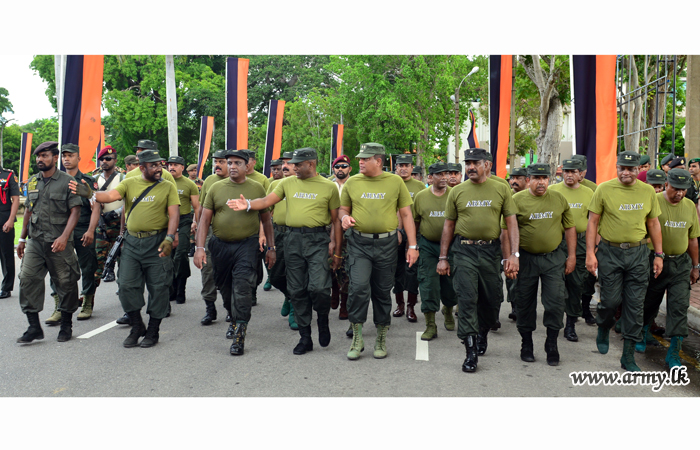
{"points": [[5, 107]]}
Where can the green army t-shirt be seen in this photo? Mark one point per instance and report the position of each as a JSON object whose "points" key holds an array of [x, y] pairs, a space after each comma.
{"points": [[429, 210], [578, 199], [260, 178], [678, 224], [310, 201], [137, 173], [541, 219], [151, 214], [279, 215], [414, 186], [589, 184], [227, 224], [185, 189], [210, 180], [477, 208], [624, 210], [374, 201]]}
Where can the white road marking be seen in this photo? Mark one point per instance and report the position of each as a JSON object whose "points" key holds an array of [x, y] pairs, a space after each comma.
{"points": [[98, 330], [421, 348]]}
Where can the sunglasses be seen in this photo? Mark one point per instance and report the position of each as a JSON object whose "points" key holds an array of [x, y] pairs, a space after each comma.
{"points": [[341, 166], [107, 158]]}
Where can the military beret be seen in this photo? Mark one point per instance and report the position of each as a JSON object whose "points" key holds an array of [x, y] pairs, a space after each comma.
{"points": [[304, 154], [694, 160], [106, 151], [680, 178], [177, 160], [276, 162], [146, 144], [370, 149], [404, 159], [628, 158], [572, 164], [192, 167], [667, 159], [438, 167], [644, 160], [148, 156], [243, 154], [675, 162], [70, 148], [454, 167], [476, 154], [539, 169], [219, 154], [51, 146], [656, 176], [341, 158], [519, 172], [131, 159]]}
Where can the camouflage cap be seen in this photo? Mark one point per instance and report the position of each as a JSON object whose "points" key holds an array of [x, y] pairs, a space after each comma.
{"points": [[70, 148], [519, 172], [176, 160], [146, 144], [220, 154], [476, 154], [438, 167], [51, 146], [628, 158], [243, 154], [676, 162], [304, 154], [417, 169], [572, 164], [667, 159], [192, 167], [404, 159], [454, 167], [276, 162], [644, 160], [539, 169], [583, 159], [656, 176], [287, 155], [148, 156], [680, 178], [131, 159], [370, 149]]}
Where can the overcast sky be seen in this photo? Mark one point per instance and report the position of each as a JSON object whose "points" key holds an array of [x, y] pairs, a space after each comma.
{"points": [[26, 90]]}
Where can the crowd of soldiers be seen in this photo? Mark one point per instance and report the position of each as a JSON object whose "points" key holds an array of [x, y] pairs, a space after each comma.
{"points": [[331, 244]]}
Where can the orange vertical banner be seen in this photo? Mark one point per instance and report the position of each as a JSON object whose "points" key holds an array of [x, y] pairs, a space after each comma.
{"points": [[90, 120], [606, 119]]}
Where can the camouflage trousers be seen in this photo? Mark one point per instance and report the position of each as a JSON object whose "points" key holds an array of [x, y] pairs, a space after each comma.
{"points": [[103, 246]]}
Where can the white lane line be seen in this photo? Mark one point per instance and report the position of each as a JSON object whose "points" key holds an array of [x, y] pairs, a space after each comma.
{"points": [[421, 348], [98, 330]]}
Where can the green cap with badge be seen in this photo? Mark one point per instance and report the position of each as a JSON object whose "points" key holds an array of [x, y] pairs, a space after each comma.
{"points": [[572, 164], [404, 159], [680, 178], [131, 159], [519, 172], [251, 153], [583, 159], [628, 158], [276, 162], [146, 144], [304, 154], [148, 156], [219, 154], [656, 176], [418, 170], [243, 154], [667, 159], [476, 154], [454, 167], [176, 160], [539, 169], [287, 155], [370, 149], [644, 160], [70, 148], [438, 167]]}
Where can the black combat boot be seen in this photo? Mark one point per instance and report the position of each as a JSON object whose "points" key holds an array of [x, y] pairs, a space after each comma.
{"points": [[34, 331], [324, 333], [305, 343], [210, 315], [66, 331], [138, 329], [570, 329], [472, 359], [527, 348], [124, 320], [239, 339], [586, 310], [152, 335], [550, 347], [180, 290], [481, 341]]}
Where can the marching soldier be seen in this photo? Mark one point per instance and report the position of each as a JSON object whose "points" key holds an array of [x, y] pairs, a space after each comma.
{"points": [[50, 215], [622, 211], [406, 278], [192, 175], [429, 215], [657, 179], [417, 173], [339, 291], [313, 203], [234, 248], [368, 206], [541, 215], [145, 257], [679, 233], [131, 162], [189, 199], [578, 197], [518, 181], [644, 163], [473, 213], [454, 174], [9, 205]]}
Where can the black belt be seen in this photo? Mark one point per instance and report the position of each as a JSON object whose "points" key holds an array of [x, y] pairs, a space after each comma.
{"points": [[282, 228], [540, 254], [374, 235], [182, 216], [307, 229], [580, 235], [466, 241], [144, 234], [624, 245]]}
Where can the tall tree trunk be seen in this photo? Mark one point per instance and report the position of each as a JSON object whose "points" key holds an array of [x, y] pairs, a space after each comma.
{"points": [[549, 139]]}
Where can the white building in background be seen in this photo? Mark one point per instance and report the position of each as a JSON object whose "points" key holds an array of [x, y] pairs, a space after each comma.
{"points": [[483, 135]]}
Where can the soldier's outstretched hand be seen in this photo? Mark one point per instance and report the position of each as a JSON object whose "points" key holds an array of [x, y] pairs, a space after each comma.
{"points": [[238, 204]]}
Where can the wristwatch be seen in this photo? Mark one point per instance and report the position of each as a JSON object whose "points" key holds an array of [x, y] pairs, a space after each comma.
{"points": [[697, 267], [516, 254], [413, 247], [660, 255]]}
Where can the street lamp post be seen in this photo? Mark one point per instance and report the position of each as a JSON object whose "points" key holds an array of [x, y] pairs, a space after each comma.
{"points": [[456, 100]]}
